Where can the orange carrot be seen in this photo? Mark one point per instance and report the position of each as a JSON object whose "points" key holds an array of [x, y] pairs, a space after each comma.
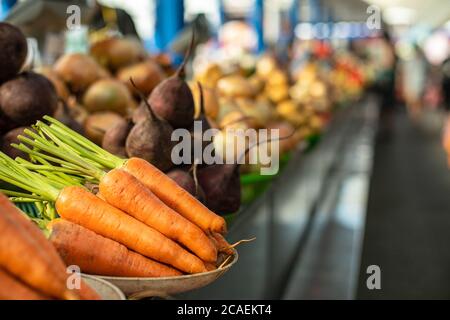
{"points": [[12, 289], [45, 245], [222, 244], [82, 207], [175, 196], [210, 266], [160, 184], [18, 251], [98, 255], [117, 186]]}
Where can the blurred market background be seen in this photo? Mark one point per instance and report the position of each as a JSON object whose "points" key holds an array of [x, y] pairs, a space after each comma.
{"points": [[366, 86]]}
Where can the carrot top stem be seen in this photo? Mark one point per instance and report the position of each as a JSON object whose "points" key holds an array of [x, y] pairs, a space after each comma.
{"points": [[13, 173], [22, 195], [102, 156], [61, 150]]}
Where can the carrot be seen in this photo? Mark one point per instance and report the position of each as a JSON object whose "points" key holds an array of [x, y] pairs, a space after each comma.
{"points": [[100, 195], [44, 244], [82, 207], [117, 186], [175, 196], [125, 192], [12, 289], [18, 252], [221, 243], [78, 205], [98, 255], [160, 184]]}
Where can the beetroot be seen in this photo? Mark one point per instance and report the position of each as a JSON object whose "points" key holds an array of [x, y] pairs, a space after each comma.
{"points": [[150, 139], [27, 98], [222, 186], [115, 138], [8, 139], [187, 181], [13, 51], [172, 99]]}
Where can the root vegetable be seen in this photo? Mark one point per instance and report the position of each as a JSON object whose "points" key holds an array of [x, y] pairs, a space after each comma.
{"points": [[18, 249], [146, 75], [27, 98], [172, 99], [185, 180], [82, 207], [78, 71], [115, 53], [222, 186], [8, 139], [115, 138], [97, 255], [107, 95], [97, 124], [13, 289], [150, 139], [160, 184], [13, 51], [115, 187]]}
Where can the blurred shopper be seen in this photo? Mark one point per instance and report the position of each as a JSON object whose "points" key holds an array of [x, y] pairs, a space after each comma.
{"points": [[386, 84], [446, 84], [415, 71]]}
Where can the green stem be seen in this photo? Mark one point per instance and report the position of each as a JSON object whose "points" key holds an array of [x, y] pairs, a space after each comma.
{"points": [[38, 155], [61, 152], [21, 194], [64, 141], [22, 200], [82, 148], [14, 174], [113, 161]]}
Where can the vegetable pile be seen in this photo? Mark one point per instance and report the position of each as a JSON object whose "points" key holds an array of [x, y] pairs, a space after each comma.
{"points": [[24, 96], [140, 216]]}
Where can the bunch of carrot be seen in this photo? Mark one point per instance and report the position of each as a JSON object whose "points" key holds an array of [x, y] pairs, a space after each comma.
{"points": [[140, 223], [30, 267]]}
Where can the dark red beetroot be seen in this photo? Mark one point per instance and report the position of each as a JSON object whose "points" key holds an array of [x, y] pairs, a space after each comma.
{"points": [[8, 139], [27, 98], [115, 138], [222, 186], [172, 99], [13, 51], [187, 181], [150, 139]]}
